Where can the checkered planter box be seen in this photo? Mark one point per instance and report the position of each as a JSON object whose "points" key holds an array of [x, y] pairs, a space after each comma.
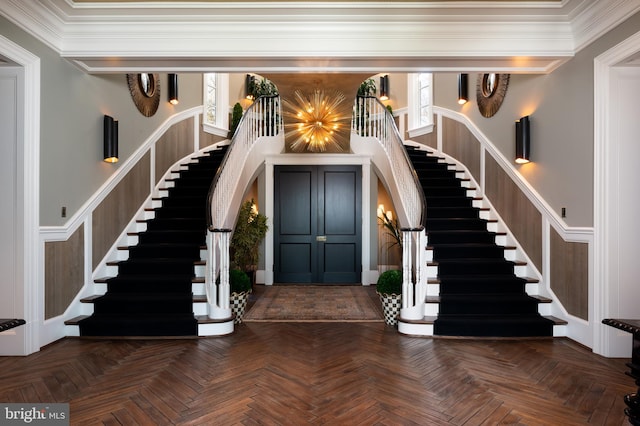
{"points": [[391, 304], [238, 303]]}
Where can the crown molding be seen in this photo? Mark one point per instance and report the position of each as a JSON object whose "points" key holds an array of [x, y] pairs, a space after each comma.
{"points": [[483, 36], [599, 17]]}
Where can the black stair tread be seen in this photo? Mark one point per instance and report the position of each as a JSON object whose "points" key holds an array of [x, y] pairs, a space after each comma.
{"points": [[204, 319], [137, 297], [168, 244], [483, 297], [438, 299], [494, 326], [176, 261], [476, 261], [463, 278], [75, 320], [148, 277], [464, 245], [134, 325]]}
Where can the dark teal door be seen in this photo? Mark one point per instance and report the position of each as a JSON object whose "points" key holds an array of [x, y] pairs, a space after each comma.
{"points": [[317, 224]]}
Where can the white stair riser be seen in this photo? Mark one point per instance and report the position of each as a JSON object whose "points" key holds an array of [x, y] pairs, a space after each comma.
{"points": [[198, 289], [199, 308], [415, 329], [215, 329], [431, 309], [560, 330]]}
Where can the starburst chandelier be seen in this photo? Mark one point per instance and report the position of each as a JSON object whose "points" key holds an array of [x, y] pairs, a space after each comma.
{"points": [[317, 122]]}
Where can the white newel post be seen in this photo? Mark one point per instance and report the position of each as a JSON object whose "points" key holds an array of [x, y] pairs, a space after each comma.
{"points": [[218, 266], [407, 284]]}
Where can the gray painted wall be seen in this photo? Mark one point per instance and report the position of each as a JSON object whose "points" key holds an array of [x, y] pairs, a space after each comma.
{"points": [[561, 108], [72, 106]]}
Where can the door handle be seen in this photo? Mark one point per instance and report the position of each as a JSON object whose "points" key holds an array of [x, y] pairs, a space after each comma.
{"points": [[321, 238]]}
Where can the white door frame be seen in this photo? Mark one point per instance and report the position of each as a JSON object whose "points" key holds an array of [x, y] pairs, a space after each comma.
{"points": [[367, 277], [607, 341], [30, 266]]}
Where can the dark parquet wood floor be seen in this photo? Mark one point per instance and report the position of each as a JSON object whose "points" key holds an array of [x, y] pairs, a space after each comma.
{"points": [[321, 374]]}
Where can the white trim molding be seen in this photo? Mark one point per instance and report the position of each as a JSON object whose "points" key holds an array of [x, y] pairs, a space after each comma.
{"points": [[605, 293], [32, 300], [533, 37]]}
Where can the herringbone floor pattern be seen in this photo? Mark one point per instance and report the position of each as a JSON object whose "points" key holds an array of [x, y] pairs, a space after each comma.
{"points": [[321, 374]]}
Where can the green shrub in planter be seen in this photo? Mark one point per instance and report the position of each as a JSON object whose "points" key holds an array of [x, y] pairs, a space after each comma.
{"points": [[390, 282], [239, 281]]}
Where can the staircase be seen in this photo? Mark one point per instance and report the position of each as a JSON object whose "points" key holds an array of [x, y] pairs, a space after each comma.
{"points": [[152, 293], [480, 293]]}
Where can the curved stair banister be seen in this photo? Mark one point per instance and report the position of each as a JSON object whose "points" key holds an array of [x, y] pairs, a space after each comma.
{"points": [[263, 118], [371, 119]]}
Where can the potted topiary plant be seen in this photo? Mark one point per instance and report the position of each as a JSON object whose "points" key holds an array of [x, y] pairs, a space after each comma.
{"points": [[240, 288], [236, 116], [250, 230], [389, 289]]}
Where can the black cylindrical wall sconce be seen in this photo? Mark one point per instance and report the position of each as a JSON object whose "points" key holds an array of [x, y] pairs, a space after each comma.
{"points": [[384, 88], [173, 89], [523, 140], [110, 140], [463, 88], [249, 82]]}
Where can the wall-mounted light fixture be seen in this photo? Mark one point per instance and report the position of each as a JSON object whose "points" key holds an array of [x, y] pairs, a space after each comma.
{"points": [[523, 140], [110, 141], [463, 88], [384, 87], [249, 82], [173, 89]]}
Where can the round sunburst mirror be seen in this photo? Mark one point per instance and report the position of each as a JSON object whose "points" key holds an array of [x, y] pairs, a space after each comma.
{"points": [[490, 92], [145, 92]]}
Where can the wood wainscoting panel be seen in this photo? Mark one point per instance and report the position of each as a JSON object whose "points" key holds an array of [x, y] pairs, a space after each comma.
{"points": [[174, 144], [114, 213], [459, 142], [63, 272], [520, 215], [207, 139], [428, 139], [570, 274]]}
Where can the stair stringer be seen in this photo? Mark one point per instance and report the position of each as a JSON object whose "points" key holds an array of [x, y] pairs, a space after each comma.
{"points": [[524, 269], [91, 288]]}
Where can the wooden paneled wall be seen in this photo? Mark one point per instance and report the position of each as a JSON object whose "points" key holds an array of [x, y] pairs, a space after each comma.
{"points": [[520, 215], [569, 274], [460, 143], [63, 273], [207, 139], [176, 143], [114, 213], [428, 139]]}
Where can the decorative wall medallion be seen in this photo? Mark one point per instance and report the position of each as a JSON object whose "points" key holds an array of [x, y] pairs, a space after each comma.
{"points": [[145, 92], [490, 92]]}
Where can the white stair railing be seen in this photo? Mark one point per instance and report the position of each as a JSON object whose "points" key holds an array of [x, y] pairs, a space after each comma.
{"points": [[371, 119], [263, 118]]}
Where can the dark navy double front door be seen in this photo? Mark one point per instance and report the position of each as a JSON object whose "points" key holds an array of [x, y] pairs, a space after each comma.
{"points": [[318, 224]]}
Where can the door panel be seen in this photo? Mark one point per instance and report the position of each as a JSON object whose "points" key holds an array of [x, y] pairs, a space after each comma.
{"points": [[317, 224], [340, 222], [295, 224]]}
